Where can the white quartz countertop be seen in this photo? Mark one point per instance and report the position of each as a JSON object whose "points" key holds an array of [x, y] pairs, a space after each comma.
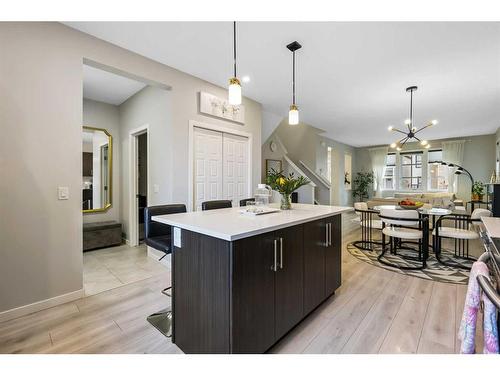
{"points": [[230, 225], [492, 225]]}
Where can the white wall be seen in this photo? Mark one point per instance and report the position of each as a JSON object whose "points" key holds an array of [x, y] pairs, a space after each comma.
{"points": [[40, 105], [106, 116]]}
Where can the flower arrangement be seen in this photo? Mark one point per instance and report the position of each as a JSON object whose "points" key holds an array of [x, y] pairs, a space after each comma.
{"points": [[285, 185]]}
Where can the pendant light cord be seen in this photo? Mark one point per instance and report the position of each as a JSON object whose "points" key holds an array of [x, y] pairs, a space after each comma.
{"points": [[410, 125], [293, 77], [234, 46]]}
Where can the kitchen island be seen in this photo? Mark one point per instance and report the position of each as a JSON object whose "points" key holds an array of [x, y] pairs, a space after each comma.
{"points": [[240, 283]]}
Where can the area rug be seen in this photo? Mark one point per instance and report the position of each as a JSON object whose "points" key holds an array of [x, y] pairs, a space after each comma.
{"points": [[435, 271]]}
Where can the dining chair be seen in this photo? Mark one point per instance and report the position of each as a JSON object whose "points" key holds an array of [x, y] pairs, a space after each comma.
{"points": [[367, 222], [404, 227], [464, 230]]}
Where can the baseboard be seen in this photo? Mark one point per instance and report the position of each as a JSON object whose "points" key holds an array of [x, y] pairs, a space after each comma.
{"points": [[40, 305]]}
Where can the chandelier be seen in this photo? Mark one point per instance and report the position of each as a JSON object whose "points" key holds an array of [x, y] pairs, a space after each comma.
{"points": [[411, 132]]}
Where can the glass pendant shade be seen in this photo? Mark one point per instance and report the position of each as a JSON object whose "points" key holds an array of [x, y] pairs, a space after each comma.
{"points": [[234, 91], [293, 115]]}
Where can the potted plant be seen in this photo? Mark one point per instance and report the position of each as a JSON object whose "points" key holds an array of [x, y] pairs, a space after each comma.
{"points": [[285, 185], [477, 191], [361, 185]]}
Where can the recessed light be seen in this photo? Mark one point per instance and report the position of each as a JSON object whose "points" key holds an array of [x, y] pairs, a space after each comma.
{"points": [[245, 79]]}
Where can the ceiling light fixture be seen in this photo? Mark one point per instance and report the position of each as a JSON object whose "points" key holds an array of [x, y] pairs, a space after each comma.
{"points": [[234, 82], [293, 115], [245, 79], [412, 130]]}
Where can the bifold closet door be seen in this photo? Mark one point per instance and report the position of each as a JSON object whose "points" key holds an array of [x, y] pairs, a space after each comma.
{"points": [[208, 161], [235, 168]]}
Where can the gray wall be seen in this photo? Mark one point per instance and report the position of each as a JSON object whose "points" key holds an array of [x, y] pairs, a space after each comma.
{"points": [[479, 160], [106, 116], [40, 105], [149, 106], [304, 142]]}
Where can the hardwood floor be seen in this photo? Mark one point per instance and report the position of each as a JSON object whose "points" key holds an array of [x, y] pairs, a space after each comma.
{"points": [[374, 311]]}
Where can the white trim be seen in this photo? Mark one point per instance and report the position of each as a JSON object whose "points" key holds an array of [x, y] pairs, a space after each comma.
{"points": [[318, 177], [40, 305], [222, 129], [133, 209]]}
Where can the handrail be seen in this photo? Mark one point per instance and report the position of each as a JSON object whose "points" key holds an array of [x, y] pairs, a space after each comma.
{"points": [[317, 176], [294, 166]]}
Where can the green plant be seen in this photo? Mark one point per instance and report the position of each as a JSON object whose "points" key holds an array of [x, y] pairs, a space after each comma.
{"points": [[361, 185], [478, 188], [285, 184]]}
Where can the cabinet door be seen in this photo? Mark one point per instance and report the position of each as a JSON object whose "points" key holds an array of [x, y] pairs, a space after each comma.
{"points": [[289, 279], [314, 264], [333, 254], [253, 328]]}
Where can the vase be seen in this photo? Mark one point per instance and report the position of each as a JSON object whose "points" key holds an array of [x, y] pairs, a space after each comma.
{"points": [[286, 202]]}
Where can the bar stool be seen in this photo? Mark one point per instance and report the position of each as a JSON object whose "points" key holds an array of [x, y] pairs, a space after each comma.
{"points": [[215, 205], [159, 237]]}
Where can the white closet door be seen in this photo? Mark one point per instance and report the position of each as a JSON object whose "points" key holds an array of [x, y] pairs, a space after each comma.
{"points": [[235, 170], [208, 176]]}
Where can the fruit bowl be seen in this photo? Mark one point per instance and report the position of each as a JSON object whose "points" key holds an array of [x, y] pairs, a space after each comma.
{"points": [[410, 205]]}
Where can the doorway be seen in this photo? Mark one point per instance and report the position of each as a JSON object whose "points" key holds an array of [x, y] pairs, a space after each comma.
{"points": [[142, 180], [139, 184]]}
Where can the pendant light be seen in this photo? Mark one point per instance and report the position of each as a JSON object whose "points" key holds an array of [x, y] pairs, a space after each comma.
{"points": [[293, 115], [411, 131], [234, 82]]}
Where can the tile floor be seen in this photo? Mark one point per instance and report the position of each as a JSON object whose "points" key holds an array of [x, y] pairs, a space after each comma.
{"points": [[113, 267]]}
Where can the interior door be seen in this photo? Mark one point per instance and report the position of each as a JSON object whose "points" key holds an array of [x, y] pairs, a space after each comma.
{"points": [[208, 175], [235, 168]]}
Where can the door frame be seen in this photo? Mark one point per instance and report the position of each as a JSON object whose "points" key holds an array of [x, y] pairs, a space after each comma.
{"points": [[198, 124], [133, 181]]}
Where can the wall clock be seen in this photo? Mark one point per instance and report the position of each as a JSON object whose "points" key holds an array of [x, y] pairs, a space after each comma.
{"points": [[273, 146]]}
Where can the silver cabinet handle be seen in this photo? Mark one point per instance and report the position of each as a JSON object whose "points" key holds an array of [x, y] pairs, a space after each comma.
{"points": [[281, 253], [326, 234], [275, 266], [330, 233]]}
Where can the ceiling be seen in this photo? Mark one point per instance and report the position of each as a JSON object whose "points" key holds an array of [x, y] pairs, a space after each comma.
{"points": [[107, 87], [351, 76]]}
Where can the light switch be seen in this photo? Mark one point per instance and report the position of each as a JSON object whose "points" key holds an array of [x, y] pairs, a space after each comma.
{"points": [[156, 188], [63, 193]]}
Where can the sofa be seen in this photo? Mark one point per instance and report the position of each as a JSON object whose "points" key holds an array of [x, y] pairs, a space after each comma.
{"points": [[435, 199]]}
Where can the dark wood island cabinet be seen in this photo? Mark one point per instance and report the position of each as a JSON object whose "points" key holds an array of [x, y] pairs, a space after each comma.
{"points": [[242, 288]]}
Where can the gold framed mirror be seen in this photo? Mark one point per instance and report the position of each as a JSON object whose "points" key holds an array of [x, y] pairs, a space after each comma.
{"points": [[97, 169]]}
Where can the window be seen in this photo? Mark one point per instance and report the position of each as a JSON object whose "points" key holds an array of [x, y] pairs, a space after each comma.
{"points": [[389, 173], [437, 174], [411, 171]]}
